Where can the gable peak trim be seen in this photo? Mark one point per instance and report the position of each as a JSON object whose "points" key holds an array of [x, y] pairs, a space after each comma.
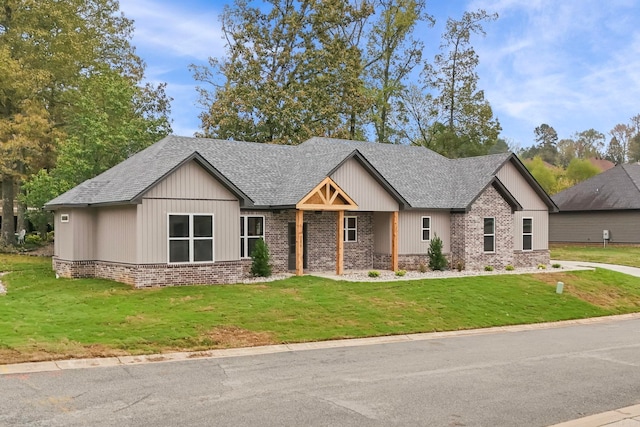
{"points": [[327, 196]]}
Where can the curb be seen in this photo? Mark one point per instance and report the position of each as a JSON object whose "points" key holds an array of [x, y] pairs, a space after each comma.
{"points": [[59, 365]]}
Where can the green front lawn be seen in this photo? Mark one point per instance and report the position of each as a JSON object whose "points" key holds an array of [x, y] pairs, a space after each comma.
{"points": [[612, 254], [46, 318]]}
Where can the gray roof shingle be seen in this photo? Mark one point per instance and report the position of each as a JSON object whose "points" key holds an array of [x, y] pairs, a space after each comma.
{"points": [[279, 175], [615, 189]]}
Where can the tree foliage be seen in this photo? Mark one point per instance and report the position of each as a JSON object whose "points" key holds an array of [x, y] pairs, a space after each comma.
{"points": [[58, 58], [260, 266], [437, 261], [467, 126], [580, 170]]}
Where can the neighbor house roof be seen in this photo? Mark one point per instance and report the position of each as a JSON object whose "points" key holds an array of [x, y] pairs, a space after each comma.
{"points": [[615, 189], [268, 175]]}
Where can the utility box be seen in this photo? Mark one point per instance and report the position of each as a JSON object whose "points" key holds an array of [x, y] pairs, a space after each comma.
{"points": [[605, 235]]}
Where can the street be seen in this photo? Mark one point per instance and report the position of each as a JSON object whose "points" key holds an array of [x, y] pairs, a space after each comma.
{"points": [[530, 378]]}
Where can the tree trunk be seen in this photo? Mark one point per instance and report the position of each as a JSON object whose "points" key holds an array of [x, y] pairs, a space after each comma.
{"points": [[22, 210], [7, 233]]}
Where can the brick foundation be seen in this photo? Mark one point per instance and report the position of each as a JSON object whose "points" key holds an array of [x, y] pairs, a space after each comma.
{"points": [[530, 258], [148, 275]]}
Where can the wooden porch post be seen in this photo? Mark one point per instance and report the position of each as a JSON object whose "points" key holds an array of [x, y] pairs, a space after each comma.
{"points": [[299, 243], [394, 241], [340, 243]]}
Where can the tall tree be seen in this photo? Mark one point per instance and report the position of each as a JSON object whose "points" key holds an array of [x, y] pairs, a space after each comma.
{"points": [[393, 53], [623, 134], [49, 51], [589, 143], [290, 72], [615, 151], [546, 138], [469, 126]]}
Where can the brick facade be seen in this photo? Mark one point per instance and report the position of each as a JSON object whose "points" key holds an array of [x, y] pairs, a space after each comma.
{"points": [[467, 233]]}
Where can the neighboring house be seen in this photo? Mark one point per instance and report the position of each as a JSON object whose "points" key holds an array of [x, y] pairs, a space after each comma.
{"points": [[602, 164], [190, 210], [608, 201]]}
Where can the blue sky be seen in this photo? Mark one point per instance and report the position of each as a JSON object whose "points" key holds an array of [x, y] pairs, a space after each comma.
{"points": [[573, 64]]}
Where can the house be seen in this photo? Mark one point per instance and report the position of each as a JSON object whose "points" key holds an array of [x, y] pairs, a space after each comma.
{"points": [[190, 210], [602, 164], [608, 201]]}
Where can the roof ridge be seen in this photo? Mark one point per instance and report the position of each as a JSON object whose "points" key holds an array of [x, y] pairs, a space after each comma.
{"points": [[633, 181]]}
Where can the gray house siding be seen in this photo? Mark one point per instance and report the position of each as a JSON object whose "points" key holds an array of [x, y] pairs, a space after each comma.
{"points": [[363, 188], [586, 227]]}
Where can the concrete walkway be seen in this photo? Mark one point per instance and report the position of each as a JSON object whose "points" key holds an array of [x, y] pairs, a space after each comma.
{"points": [[632, 271]]}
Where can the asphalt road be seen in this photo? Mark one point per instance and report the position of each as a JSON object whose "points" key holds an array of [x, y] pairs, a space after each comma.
{"points": [[532, 378]]}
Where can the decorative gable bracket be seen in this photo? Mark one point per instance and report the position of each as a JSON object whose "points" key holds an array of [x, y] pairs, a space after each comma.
{"points": [[326, 196]]}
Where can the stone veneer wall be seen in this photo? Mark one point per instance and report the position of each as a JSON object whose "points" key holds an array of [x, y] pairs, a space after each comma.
{"points": [[531, 258], [467, 233], [321, 244], [146, 275]]}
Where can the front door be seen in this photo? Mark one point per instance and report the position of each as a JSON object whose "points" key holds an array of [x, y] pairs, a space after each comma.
{"points": [[292, 245]]}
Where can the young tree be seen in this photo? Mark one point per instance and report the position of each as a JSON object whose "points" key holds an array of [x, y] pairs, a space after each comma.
{"points": [[580, 170], [437, 260], [623, 134], [469, 125], [260, 260]]}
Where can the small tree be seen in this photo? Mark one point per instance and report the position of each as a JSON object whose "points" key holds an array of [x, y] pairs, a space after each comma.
{"points": [[260, 256], [437, 261]]}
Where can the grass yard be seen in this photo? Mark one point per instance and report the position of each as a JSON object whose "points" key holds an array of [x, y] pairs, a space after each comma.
{"points": [[44, 318], [623, 255]]}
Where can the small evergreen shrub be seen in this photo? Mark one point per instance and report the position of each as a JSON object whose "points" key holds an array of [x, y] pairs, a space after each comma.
{"points": [[260, 266], [488, 268], [509, 267], [374, 273], [401, 273], [437, 261], [556, 265]]}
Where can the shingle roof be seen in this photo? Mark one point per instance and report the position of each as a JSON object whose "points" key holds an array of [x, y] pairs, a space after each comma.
{"points": [[279, 175], [615, 189]]}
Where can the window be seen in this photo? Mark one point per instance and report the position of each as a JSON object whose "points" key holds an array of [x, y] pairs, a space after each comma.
{"points": [[426, 228], [489, 234], [527, 234], [350, 228], [251, 230], [64, 218], [190, 238]]}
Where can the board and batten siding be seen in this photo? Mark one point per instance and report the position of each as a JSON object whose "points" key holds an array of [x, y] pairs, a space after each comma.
{"points": [[116, 234], [74, 239], [587, 227], [540, 238], [363, 189], [188, 190], [382, 232], [410, 231], [532, 207]]}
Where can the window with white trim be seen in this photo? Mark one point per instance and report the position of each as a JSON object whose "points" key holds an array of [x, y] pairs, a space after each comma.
{"points": [[190, 238], [489, 234], [350, 228], [527, 234], [426, 228], [64, 218], [251, 230]]}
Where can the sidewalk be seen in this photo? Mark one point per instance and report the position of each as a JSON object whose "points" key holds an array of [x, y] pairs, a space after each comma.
{"points": [[624, 417], [631, 271]]}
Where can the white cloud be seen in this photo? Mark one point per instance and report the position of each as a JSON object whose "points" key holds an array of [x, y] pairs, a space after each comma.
{"points": [[175, 30]]}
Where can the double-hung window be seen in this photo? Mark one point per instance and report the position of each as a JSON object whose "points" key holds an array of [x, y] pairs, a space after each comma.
{"points": [[350, 228], [527, 234], [251, 230], [489, 234], [190, 238], [426, 228]]}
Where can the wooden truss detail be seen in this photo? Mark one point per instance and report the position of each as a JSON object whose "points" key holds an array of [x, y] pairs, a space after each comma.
{"points": [[326, 196]]}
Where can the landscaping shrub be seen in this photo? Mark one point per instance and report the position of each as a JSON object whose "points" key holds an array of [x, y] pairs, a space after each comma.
{"points": [[556, 265], [32, 239], [422, 268], [542, 267], [374, 273], [509, 267], [260, 265], [401, 273], [488, 268], [437, 261]]}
